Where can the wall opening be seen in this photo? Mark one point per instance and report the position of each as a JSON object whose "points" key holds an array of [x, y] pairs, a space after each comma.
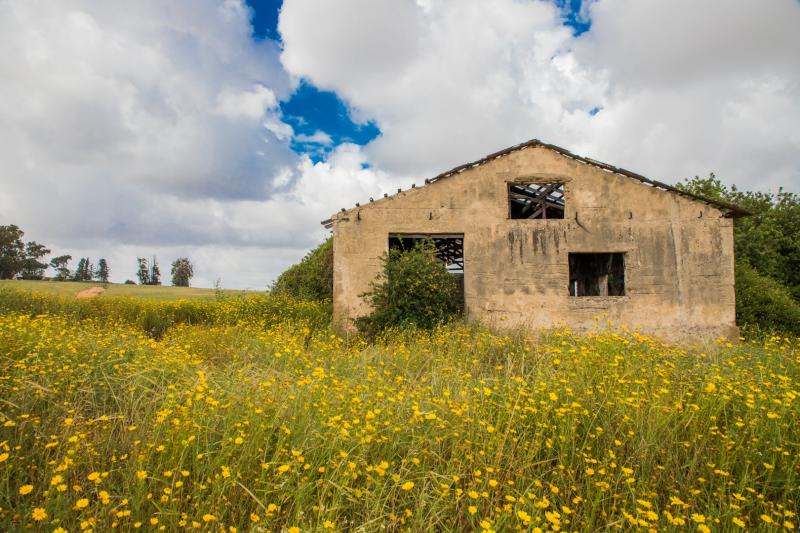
{"points": [[597, 274], [449, 248], [535, 200]]}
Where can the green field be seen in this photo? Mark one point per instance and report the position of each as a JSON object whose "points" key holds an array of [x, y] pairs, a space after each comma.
{"points": [[72, 288]]}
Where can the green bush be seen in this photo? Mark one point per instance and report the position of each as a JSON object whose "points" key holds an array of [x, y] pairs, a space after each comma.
{"points": [[414, 289], [311, 278], [763, 303]]}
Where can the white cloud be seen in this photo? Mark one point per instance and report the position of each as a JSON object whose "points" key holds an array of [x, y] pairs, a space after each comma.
{"points": [[247, 243], [365, 41], [246, 104], [140, 128], [683, 87], [318, 137], [140, 125], [146, 128]]}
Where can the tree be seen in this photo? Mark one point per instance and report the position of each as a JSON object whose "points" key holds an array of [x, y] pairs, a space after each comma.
{"points": [[182, 271], [59, 264], [413, 289], [101, 274], [31, 267], [84, 270], [18, 259], [79, 270], [311, 278], [12, 251], [143, 272], [148, 272], [155, 273], [764, 302]]}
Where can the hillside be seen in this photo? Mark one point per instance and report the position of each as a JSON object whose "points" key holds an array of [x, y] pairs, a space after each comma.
{"points": [[72, 288]]}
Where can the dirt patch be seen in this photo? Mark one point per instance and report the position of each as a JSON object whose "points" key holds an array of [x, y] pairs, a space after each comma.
{"points": [[92, 292]]}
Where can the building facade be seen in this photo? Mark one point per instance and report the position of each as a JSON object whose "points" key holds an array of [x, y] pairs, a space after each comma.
{"points": [[542, 238]]}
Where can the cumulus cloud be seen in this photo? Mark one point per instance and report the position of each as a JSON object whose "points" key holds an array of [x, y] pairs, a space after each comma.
{"points": [[245, 243], [318, 137], [172, 98], [140, 128], [671, 89], [140, 125], [452, 81]]}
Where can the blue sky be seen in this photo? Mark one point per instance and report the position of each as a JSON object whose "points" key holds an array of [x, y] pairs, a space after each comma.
{"points": [[310, 109]]}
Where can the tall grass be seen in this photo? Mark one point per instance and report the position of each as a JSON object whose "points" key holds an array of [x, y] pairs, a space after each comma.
{"points": [[252, 415]]}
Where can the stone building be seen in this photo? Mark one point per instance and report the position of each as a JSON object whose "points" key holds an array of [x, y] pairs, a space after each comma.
{"points": [[542, 237]]}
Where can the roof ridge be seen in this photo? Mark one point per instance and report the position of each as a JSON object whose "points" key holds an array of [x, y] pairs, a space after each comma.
{"points": [[730, 210]]}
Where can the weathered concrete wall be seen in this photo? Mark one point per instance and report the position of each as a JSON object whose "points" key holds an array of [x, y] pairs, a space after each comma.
{"points": [[679, 279]]}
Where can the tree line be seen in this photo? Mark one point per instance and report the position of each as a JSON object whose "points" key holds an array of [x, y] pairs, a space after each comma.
{"points": [[85, 271], [25, 260]]}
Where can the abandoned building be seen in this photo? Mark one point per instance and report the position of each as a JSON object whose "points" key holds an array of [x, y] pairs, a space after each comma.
{"points": [[541, 237]]}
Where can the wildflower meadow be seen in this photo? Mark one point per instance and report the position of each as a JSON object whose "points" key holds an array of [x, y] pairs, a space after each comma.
{"points": [[249, 413]]}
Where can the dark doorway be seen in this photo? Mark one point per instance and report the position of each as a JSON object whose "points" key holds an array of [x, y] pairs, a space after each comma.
{"points": [[449, 248], [597, 274]]}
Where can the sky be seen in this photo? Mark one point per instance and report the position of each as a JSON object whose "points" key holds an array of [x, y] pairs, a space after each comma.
{"points": [[225, 131]]}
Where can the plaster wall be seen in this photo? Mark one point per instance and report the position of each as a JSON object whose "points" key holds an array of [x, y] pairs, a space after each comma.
{"points": [[679, 274]]}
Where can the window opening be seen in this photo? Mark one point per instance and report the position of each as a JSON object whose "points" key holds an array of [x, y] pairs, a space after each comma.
{"points": [[597, 274], [535, 200], [449, 248]]}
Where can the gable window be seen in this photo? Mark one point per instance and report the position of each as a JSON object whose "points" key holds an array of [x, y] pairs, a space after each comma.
{"points": [[597, 274], [535, 200]]}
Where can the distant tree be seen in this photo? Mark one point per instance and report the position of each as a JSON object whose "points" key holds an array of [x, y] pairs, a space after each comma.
{"points": [[59, 264], [80, 270], [148, 272], [32, 267], [182, 272], [12, 251], [143, 272], [101, 273], [86, 271], [130, 282], [155, 273], [18, 259]]}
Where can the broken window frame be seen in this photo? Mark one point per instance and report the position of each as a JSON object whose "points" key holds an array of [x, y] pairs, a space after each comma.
{"points": [[536, 200], [449, 247], [608, 280]]}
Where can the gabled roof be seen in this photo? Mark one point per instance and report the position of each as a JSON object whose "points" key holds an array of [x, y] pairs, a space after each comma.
{"points": [[729, 210]]}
